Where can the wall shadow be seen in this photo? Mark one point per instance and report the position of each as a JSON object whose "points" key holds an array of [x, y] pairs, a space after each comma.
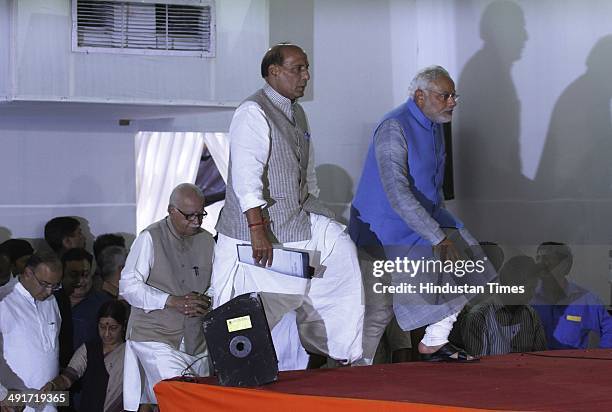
{"points": [[576, 160], [336, 187], [575, 169], [5, 234], [488, 126]]}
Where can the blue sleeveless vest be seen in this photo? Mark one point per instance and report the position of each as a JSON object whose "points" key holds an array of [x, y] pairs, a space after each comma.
{"points": [[373, 220]]}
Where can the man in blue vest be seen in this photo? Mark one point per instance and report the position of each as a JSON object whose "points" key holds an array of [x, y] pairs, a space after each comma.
{"points": [[398, 213]]}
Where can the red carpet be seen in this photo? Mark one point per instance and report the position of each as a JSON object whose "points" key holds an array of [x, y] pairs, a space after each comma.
{"points": [[576, 380]]}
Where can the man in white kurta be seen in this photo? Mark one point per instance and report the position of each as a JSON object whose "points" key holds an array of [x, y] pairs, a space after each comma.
{"points": [[164, 279], [271, 198], [29, 327]]}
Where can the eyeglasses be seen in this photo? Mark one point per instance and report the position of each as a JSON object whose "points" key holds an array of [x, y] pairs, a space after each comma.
{"points": [[192, 216], [46, 285], [446, 96]]}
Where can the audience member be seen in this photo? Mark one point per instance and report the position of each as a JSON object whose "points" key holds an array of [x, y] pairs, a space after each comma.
{"points": [[111, 261], [100, 243], [64, 233], [505, 322], [165, 276], [99, 363], [19, 251], [568, 311], [78, 302], [104, 241], [494, 253], [14, 253], [29, 326], [7, 280]]}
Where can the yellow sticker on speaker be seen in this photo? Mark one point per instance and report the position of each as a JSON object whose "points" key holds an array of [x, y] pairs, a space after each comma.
{"points": [[573, 318], [241, 323]]}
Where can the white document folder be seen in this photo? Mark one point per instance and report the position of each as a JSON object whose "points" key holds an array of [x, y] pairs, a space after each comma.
{"points": [[286, 261]]}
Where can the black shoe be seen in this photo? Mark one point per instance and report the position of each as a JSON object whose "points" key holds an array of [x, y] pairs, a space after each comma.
{"points": [[449, 353]]}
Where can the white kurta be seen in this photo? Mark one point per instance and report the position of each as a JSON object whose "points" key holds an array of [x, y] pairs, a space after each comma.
{"points": [[8, 286], [336, 296], [158, 360], [30, 331]]}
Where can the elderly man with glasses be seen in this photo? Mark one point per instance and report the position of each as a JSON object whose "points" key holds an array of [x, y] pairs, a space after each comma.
{"points": [[29, 326], [398, 213], [165, 277]]}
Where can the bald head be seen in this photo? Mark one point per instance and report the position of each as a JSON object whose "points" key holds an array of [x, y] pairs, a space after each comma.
{"points": [[276, 56], [186, 209], [183, 190]]}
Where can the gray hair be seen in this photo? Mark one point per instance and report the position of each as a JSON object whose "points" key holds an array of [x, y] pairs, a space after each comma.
{"points": [[179, 191], [424, 77], [111, 259]]}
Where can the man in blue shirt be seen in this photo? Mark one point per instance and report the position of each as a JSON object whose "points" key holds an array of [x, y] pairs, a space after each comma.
{"points": [[568, 311], [398, 213]]}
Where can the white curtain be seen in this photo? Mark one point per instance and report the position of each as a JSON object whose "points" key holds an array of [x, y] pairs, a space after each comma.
{"points": [[163, 160], [218, 146]]}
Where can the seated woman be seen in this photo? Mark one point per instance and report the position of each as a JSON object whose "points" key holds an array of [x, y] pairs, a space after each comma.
{"points": [[99, 363]]}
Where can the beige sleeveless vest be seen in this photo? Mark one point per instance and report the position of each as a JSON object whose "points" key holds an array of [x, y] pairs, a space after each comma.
{"points": [[285, 189], [175, 258]]}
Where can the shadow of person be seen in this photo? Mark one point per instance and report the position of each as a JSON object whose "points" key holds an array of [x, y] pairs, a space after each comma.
{"points": [[575, 171], [5, 233], [488, 116], [336, 187], [575, 162]]}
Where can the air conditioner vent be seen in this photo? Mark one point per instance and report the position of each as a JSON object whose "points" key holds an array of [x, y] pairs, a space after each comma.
{"points": [[185, 28]]}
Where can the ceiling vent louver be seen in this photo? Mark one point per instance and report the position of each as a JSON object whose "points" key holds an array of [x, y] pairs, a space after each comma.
{"points": [[176, 28]]}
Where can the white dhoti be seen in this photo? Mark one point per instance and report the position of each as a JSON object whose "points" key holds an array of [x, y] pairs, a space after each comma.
{"points": [[328, 308], [154, 362]]}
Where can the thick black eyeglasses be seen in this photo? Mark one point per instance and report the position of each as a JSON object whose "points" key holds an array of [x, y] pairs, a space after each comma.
{"points": [[47, 285], [193, 216]]}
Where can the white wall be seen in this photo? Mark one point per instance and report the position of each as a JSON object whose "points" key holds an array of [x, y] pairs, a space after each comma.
{"points": [[55, 165], [351, 84], [4, 49], [47, 69], [533, 133]]}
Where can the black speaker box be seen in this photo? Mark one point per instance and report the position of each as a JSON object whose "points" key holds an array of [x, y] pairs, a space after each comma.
{"points": [[240, 344]]}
